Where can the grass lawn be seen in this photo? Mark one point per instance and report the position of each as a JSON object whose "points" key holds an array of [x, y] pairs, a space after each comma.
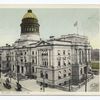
{"points": [[95, 65]]}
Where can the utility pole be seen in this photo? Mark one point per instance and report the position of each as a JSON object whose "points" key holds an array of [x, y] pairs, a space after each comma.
{"points": [[16, 56], [86, 77], [0, 71], [10, 64], [69, 85], [43, 83]]}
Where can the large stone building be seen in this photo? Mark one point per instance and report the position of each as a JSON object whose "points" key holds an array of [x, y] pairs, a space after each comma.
{"points": [[55, 61]]}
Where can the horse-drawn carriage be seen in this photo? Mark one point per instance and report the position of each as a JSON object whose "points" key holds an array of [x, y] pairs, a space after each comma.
{"points": [[7, 84]]}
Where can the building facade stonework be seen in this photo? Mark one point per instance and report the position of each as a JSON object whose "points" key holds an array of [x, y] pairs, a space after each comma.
{"points": [[53, 62]]}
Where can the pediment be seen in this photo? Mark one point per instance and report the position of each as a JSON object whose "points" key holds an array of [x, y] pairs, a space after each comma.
{"points": [[43, 43]]}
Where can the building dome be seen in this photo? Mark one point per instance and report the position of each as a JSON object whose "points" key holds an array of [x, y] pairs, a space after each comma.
{"points": [[29, 14], [29, 23]]}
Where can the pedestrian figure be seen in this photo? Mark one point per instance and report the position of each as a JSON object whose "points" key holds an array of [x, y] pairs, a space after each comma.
{"points": [[18, 87]]}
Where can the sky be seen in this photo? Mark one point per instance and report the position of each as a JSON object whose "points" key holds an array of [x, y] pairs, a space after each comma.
{"points": [[53, 22]]}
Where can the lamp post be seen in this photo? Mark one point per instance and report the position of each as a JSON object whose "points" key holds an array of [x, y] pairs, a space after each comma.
{"points": [[43, 83], [17, 77], [10, 75]]}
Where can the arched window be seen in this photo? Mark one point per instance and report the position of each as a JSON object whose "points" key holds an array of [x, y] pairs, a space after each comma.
{"points": [[22, 69], [81, 71], [59, 64], [64, 73], [59, 75], [46, 75]]}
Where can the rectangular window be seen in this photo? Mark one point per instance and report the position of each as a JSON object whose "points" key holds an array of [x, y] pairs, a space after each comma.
{"points": [[13, 67], [21, 53], [25, 53], [46, 75], [69, 74], [21, 60], [33, 69], [32, 52], [59, 64], [58, 52], [64, 75], [59, 77], [33, 61]]}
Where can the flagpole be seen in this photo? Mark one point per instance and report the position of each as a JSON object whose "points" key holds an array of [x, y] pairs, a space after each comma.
{"points": [[76, 25]]}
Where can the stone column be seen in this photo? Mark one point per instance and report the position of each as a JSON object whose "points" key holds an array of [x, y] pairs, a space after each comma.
{"points": [[24, 69], [49, 58], [81, 56], [90, 54], [37, 57], [75, 58], [51, 54], [87, 54], [78, 56]]}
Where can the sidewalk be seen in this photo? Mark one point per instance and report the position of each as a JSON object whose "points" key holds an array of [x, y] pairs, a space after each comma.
{"points": [[92, 85]]}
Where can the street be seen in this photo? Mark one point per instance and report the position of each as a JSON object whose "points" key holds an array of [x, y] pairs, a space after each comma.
{"points": [[27, 85], [31, 86]]}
